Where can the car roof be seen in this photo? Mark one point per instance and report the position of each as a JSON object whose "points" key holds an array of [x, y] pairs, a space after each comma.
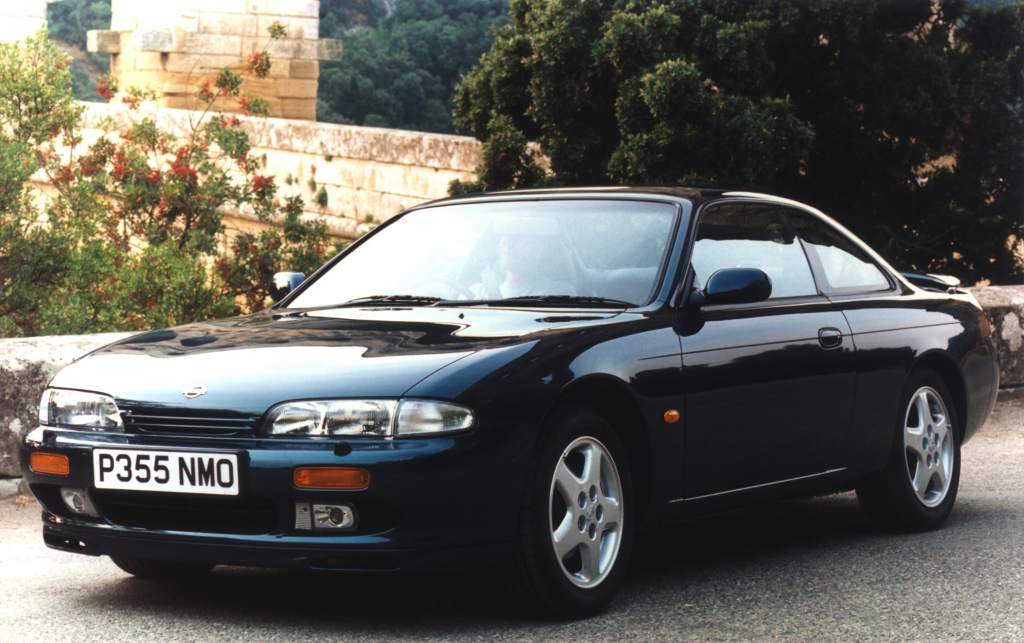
{"points": [[697, 196]]}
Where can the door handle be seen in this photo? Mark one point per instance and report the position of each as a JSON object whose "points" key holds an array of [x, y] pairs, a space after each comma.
{"points": [[830, 337]]}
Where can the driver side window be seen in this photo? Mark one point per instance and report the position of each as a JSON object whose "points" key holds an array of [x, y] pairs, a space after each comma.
{"points": [[752, 235]]}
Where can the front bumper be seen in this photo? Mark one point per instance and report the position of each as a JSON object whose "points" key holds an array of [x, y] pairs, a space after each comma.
{"points": [[431, 503]]}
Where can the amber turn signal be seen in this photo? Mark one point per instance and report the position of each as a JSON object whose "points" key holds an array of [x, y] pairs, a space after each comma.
{"points": [[331, 478], [671, 416], [52, 463]]}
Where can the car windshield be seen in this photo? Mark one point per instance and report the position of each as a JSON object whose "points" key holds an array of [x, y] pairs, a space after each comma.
{"points": [[588, 252]]}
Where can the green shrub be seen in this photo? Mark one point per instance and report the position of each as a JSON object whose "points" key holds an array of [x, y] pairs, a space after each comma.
{"points": [[133, 235]]}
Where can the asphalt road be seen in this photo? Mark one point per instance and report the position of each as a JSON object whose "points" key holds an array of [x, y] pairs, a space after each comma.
{"points": [[810, 571]]}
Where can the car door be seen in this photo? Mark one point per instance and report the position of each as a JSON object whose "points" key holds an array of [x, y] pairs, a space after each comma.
{"points": [[885, 330], [769, 385]]}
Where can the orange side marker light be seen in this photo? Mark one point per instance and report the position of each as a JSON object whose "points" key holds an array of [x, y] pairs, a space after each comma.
{"points": [[52, 463], [331, 478], [671, 416]]}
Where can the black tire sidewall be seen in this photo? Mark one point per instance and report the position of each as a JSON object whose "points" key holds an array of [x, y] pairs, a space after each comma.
{"points": [[560, 596]]}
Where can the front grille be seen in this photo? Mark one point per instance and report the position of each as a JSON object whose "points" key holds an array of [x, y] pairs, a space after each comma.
{"points": [[187, 512], [180, 422]]}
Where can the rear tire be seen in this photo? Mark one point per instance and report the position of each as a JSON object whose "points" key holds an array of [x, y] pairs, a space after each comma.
{"points": [[161, 569], [576, 525], [918, 487]]}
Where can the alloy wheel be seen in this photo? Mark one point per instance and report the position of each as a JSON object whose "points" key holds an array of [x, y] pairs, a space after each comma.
{"points": [[928, 443], [585, 509]]}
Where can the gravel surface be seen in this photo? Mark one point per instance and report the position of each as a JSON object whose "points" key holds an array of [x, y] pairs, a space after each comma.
{"points": [[811, 571]]}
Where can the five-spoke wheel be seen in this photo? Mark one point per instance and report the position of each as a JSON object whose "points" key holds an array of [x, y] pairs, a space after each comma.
{"points": [[586, 512], [929, 446]]}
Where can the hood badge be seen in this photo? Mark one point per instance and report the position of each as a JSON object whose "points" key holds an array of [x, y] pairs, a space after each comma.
{"points": [[194, 392]]}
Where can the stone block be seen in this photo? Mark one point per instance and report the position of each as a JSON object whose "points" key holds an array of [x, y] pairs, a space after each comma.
{"points": [[305, 69], [281, 67], [151, 79], [443, 151], [199, 64], [124, 15], [103, 42], [150, 61], [155, 40], [285, 48], [215, 6], [296, 88], [122, 62], [1004, 308], [295, 28], [329, 49], [26, 366], [230, 24], [201, 43], [304, 108], [294, 8]]}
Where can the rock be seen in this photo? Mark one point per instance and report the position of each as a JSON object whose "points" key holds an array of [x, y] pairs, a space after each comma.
{"points": [[12, 487], [103, 42], [26, 366], [1004, 308]]}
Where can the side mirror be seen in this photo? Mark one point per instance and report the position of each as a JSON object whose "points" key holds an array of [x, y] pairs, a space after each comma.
{"points": [[284, 283], [737, 286]]}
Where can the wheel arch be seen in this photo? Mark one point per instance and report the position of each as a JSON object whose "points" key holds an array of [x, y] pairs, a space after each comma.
{"points": [[943, 365], [611, 399]]}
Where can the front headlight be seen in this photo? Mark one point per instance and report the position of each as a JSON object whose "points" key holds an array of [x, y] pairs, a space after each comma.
{"points": [[60, 407], [367, 418]]}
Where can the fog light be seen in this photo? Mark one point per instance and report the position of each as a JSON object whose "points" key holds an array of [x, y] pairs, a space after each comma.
{"points": [[334, 517], [77, 500], [52, 463]]}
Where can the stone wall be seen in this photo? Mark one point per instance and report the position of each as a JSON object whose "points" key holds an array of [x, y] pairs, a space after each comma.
{"points": [[21, 18], [26, 365], [170, 46], [365, 171]]}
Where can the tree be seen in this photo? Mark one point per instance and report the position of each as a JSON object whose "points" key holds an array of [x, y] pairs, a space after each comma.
{"points": [[903, 118], [402, 59]]}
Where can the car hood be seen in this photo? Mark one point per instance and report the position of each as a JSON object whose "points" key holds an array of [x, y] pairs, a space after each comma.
{"points": [[250, 363]]}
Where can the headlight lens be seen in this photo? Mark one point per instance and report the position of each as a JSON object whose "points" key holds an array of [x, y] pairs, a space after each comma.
{"points": [[60, 407], [367, 418], [426, 417]]}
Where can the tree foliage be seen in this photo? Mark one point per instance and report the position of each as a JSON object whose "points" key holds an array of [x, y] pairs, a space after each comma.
{"points": [[402, 59], [131, 234], [904, 119]]}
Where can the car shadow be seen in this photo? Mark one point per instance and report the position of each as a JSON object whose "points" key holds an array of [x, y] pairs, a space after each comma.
{"points": [[690, 555]]}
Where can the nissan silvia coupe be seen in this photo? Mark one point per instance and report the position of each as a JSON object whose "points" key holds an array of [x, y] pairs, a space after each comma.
{"points": [[522, 380]]}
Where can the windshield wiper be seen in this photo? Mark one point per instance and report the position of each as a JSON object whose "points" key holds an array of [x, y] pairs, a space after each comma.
{"points": [[393, 299], [571, 300]]}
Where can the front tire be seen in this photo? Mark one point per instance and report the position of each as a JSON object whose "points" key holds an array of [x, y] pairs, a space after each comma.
{"points": [[161, 570], [918, 488], [577, 517]]}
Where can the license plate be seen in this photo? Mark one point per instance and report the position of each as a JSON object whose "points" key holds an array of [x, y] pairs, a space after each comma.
{"points": [[174, 471]]}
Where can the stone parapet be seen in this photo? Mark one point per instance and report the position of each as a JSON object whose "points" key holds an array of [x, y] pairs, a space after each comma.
{"points": [[1004, 308], [364, 171], [26, 365]]}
